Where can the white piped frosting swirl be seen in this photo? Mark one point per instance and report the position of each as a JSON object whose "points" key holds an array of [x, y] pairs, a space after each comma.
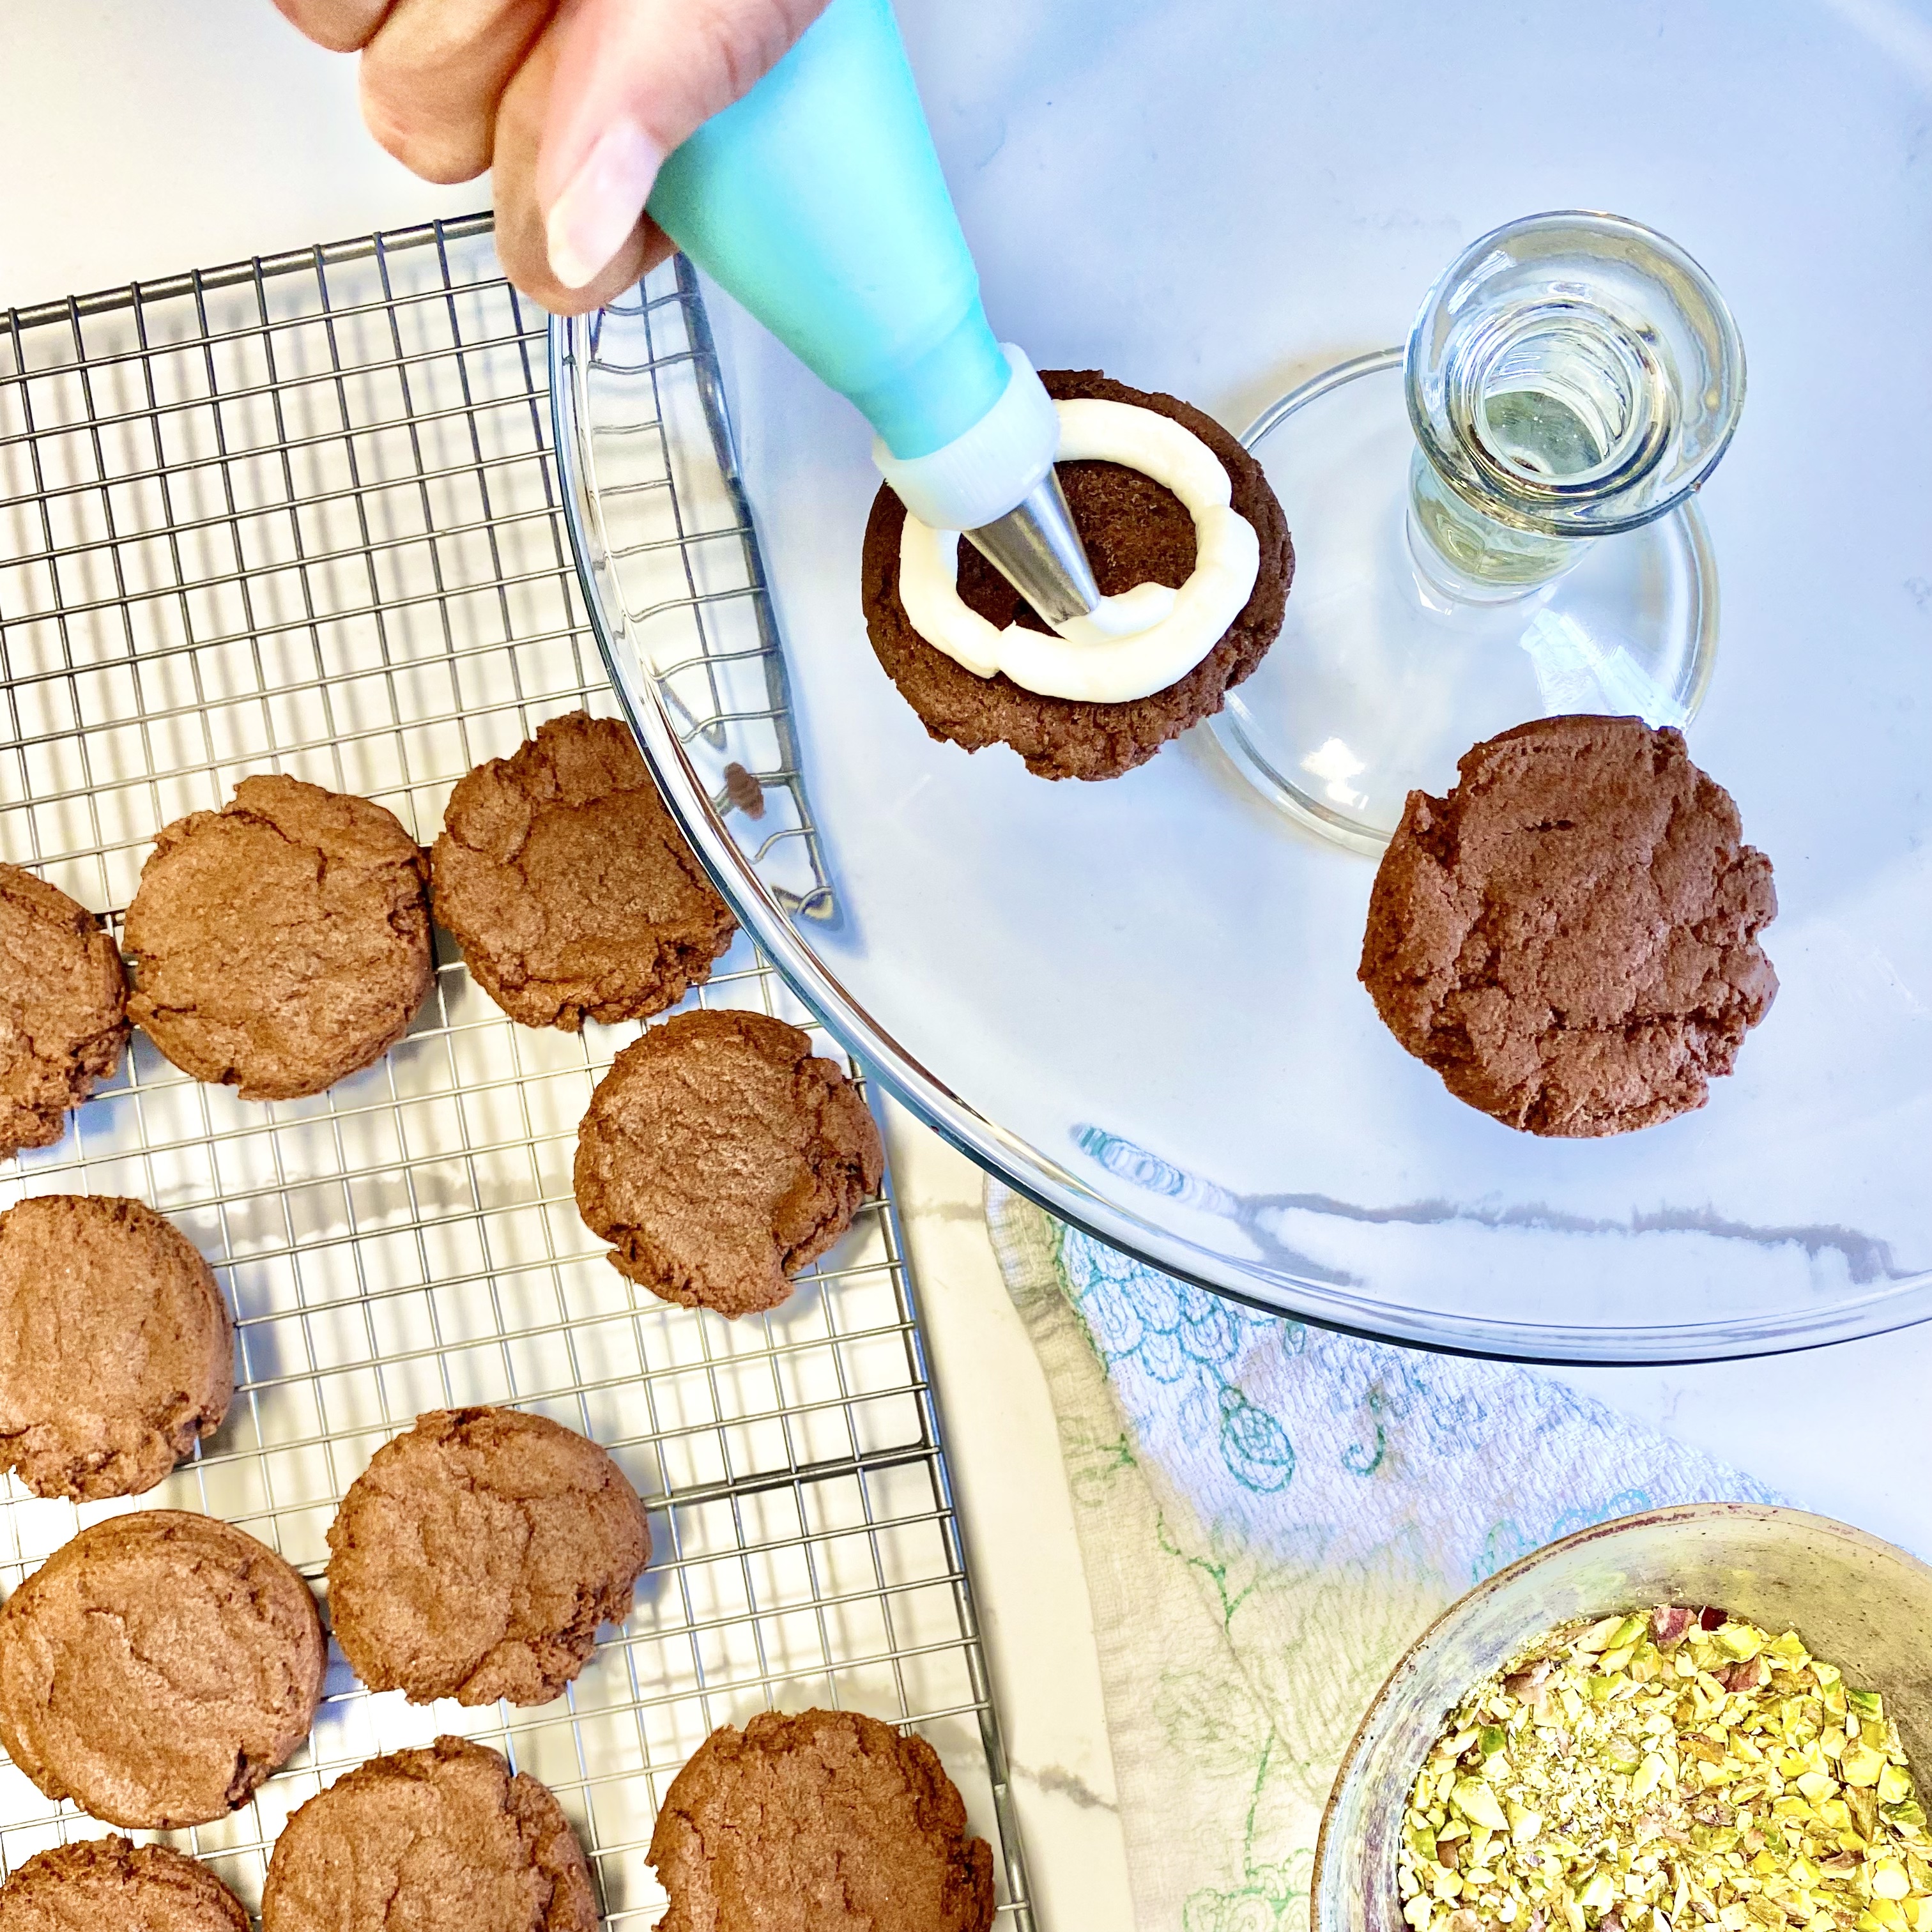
{"points": [[1136, 643]]}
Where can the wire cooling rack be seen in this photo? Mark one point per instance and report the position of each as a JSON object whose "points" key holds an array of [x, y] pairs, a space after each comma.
{"points": [[300, 514]]}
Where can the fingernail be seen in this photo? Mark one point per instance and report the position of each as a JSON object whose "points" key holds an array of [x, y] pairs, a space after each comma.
{"points": [[600, 203]]}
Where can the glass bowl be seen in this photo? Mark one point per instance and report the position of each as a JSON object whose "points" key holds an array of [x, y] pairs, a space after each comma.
{"points": [[1856, 1602], [1136, 1000]]}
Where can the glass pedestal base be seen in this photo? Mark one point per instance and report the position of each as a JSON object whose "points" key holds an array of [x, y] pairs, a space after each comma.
{"points": [[1379, 683]]}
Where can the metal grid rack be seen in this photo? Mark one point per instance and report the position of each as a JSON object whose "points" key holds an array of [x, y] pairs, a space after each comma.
{"points": [[300, 514]]}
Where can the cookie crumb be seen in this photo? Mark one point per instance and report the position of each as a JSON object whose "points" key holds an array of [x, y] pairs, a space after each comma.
{"points": [[744, 791]]}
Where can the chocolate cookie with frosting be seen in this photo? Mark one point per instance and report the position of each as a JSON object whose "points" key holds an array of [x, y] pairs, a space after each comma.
{"points": [[1136, 531]]}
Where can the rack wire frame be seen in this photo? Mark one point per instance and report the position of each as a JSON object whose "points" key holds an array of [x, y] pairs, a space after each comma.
{"points": [[301, 513]]}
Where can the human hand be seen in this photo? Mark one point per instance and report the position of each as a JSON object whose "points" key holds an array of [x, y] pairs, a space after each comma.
{"points": [[571, 104]]}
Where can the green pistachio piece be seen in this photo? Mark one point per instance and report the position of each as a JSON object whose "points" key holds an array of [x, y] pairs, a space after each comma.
{"points": [[1478, 1804], [1597, 1896], [1600, 1636], [1888, 1879]]}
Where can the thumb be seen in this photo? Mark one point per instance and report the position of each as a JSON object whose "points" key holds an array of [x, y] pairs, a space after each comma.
{"points": [[634, 79]]}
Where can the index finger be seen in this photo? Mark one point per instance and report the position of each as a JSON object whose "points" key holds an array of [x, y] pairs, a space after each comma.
{"points": [[341, 25]]}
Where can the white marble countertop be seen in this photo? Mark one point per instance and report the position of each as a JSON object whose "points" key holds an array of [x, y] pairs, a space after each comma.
{"points": [[138, 141]]}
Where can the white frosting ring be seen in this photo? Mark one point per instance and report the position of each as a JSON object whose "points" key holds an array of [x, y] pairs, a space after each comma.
{"points": [[1136, 643]]}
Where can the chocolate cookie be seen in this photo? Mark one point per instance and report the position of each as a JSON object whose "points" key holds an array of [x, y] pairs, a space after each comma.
{"points": [[1135, 531], [718, 1156], [280, 943], [110, 1885], [116, 1351], [440, 1836], [1570, 938], [156, 1669], [476, 1555], [827, 1819], [63, 1009], [569, 888]]}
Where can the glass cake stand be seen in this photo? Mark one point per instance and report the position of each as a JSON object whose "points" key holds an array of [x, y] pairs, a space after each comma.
{"points": [[1136, 1000], [1496, 523]]}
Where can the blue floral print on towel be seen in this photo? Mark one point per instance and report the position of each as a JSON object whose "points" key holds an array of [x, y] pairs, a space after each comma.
{"points": [[1481, 1461]]}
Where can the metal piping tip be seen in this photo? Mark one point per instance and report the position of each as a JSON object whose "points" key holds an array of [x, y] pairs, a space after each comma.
{"points": [[1036, 548]]}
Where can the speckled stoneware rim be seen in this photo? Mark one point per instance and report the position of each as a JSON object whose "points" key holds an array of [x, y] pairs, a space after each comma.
{"points": [[1355, 1821]]}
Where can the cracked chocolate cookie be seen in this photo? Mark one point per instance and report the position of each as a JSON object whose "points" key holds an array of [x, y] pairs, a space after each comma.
{"points": [[63, 1009], [1136, 531], [718, 1156], [157, 1668], [444, 1836], [110, 1884], [282, 942], [1570, 938], [476, 1555], [827, 1819], [568, 888], [116, 1349]]}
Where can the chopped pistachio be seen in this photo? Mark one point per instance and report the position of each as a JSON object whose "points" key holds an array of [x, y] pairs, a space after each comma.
{"points": [[1666, 1772], [1596, 1896], [1524, 1823], [1478, 1804], [1738, 1641]]}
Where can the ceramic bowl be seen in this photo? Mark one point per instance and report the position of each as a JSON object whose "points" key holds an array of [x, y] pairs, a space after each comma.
{"points": [[1856, 1602]]}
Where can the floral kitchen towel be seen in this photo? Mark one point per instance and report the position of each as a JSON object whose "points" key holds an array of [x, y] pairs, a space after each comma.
{"points": [[1269, 1514]]}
